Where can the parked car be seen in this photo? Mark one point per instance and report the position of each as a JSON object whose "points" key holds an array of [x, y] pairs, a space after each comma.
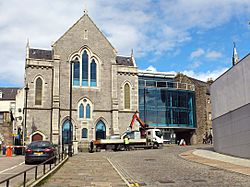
{"points": [[39, 151]]}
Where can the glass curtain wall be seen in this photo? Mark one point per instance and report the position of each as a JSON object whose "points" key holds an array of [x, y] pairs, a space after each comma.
{"points": [[166, 106]]}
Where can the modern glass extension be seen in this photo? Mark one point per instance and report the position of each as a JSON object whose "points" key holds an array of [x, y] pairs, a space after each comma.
{"points": [[166, 103]]}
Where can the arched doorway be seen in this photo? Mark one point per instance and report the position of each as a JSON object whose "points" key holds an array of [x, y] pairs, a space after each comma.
{"points": [[66, 134], [100, 130], [37, 137]]}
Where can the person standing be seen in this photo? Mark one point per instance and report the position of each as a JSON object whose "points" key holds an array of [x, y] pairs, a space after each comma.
{"points": [[210, 137], [126, 143]]}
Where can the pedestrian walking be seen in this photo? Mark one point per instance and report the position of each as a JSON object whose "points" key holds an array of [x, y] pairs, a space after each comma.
{"points": [[210, 137], [204, 139]]}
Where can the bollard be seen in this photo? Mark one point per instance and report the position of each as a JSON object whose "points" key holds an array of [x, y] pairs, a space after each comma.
{"points": [[8, 150]]}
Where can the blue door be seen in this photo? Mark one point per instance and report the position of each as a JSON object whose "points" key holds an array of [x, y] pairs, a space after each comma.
{"points": [[100, 130]]}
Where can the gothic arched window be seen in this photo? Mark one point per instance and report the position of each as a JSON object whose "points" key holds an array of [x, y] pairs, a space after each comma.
{"points": [[84, 69], [81, 111], [93, 73], [76, 72], [85, 63], [38, 91], [126, 96], [88, 111], [85, 109]]}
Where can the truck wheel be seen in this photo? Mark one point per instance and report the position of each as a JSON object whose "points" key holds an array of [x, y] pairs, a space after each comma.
{"points": [[121, 147], [98, 149], [155, 145]]}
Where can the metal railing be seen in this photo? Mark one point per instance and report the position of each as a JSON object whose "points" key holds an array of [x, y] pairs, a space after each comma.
{"points": [[168, 84], [25, 181]]}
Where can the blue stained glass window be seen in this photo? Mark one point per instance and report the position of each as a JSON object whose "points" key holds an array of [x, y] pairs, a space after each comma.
{"points": [[81, 111], [85, 58], [76, 73], [84, 133], [88, 111], [93, 73]]}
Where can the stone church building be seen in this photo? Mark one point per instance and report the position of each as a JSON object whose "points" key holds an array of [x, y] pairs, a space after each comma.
{"points": [[83, 79]]}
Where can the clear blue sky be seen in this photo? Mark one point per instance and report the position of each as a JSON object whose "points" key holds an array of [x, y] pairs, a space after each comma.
{"points": [[194, 37]]}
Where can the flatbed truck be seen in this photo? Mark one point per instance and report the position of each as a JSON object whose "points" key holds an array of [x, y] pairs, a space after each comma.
{"points": [[153, 139]]}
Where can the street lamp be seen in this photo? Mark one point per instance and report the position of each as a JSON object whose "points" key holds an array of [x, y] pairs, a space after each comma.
{"points": [[25, 114], [70, 111]]}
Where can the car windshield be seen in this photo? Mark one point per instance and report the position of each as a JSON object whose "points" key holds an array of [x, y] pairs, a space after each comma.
{"points": [[39, 145]]}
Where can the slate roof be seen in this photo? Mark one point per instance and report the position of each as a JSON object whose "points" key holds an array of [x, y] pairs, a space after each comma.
{"points": [[8, 93], [40, 54], [126, 61]]}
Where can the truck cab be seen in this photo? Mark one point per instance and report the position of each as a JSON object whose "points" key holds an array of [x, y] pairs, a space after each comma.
{"points": [[155, 137]]}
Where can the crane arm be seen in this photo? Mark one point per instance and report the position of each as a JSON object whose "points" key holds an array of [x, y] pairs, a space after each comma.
{"points": [[136, 117]]}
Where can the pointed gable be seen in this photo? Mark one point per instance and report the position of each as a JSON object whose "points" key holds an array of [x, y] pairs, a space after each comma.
{"points": [[83, 32]]}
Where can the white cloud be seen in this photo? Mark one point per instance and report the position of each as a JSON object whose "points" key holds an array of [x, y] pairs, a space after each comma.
{"points": [[213, 54], [197, 53], [204, 76]]}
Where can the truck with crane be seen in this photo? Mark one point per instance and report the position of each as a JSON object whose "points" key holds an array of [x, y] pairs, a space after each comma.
{"points": [[144, 138]]}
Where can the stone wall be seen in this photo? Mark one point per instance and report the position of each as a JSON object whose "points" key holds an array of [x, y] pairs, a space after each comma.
{"points": [[6, 133], [202, 107]]}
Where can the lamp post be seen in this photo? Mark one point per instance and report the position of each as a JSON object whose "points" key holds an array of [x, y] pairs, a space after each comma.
{"points": [[25, 114], [70, 111]]}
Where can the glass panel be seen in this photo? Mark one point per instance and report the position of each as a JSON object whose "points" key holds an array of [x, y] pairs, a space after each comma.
{"points": [[85, 62], [150, 83], [175, 117], [183, 118], [175, 99], [84, 133], [161, 84], [88, 111], [38, 96], [93, 73], [81, 111], [127, 96], [76, 74], [182, 99]]}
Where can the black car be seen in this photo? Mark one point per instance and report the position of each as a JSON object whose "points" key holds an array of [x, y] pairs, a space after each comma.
{"points": [[39, 151]]}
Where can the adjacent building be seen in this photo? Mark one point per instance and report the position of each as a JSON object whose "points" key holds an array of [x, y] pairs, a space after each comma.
{"points": [[231, 109], [7, 112]]}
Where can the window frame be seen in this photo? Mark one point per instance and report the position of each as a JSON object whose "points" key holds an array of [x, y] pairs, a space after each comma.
{"points": [[41, 91], [85, 103], [84, 128], [127, 98], [87, 82]]}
